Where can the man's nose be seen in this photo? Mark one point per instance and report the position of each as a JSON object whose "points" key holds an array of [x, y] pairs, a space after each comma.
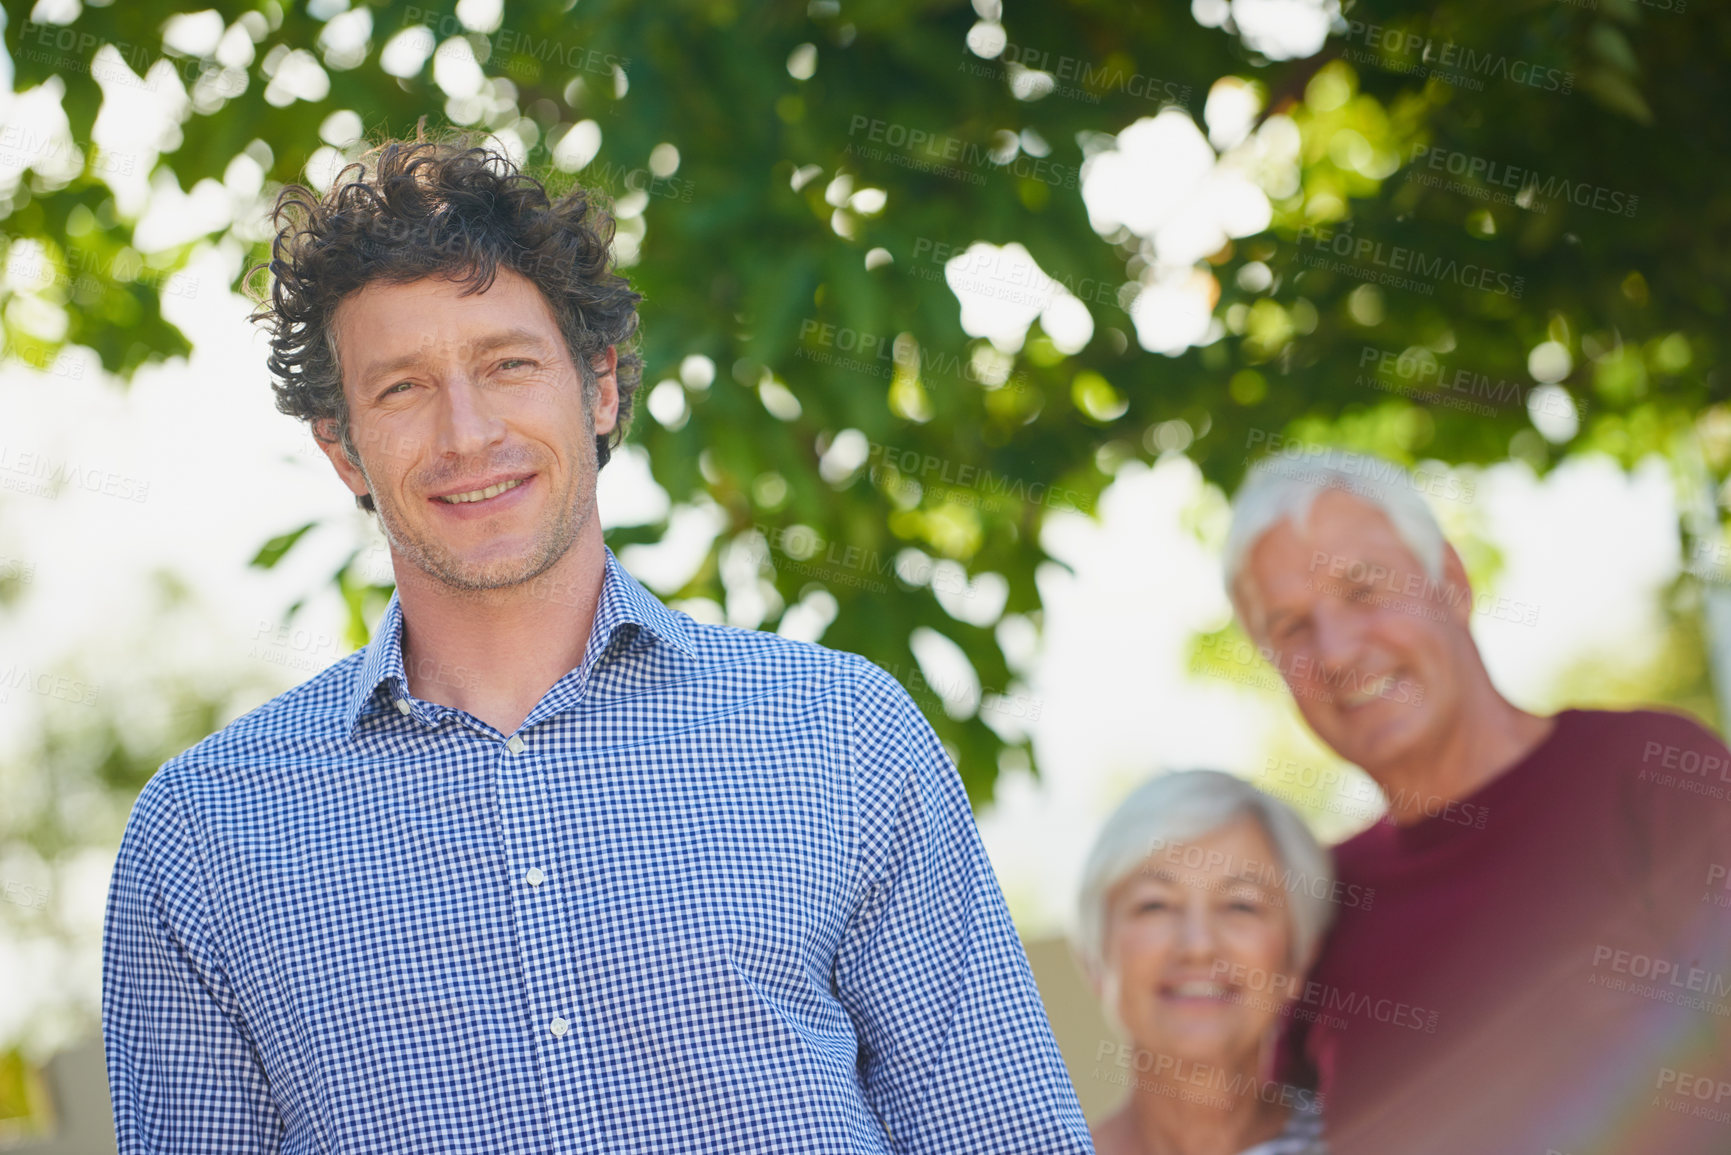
{"points": [[1335, 636], [470, 422]]}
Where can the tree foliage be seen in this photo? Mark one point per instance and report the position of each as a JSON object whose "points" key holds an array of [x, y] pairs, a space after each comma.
{"points": [[1451, 187]]}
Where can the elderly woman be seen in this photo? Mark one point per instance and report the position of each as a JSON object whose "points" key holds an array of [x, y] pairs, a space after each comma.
{"points": [[1202, 905]]}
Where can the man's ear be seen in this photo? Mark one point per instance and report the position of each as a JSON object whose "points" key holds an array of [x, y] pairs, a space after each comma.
{"points": [[1458, 607], [1247, 609], [324, 432], [606, 399]]}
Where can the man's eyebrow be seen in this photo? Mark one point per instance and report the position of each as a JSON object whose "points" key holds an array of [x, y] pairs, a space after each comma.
{"points": [[503, 337], [507, 337]]}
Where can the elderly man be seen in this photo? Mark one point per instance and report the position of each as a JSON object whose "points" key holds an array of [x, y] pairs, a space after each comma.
{"points": [[1547, 889], [547, 866]]}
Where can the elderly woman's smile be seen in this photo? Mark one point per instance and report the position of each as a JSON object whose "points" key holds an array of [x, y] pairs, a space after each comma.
{"points": [[1201, 911], [1178, 936]]}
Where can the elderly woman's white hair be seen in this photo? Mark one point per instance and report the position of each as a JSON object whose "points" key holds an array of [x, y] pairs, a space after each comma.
{"points": [[1285, 486], [1184, 806]]}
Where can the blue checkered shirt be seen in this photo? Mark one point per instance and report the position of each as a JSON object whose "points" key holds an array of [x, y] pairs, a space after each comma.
{"points": [[720, 892]]}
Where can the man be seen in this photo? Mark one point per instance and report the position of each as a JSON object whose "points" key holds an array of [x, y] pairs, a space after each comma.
{"points": [[1544, 965], [547, 866]]}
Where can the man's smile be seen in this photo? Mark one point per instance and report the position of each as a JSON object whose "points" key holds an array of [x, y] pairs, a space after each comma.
{"points": [[485, 499], [481, 493]]}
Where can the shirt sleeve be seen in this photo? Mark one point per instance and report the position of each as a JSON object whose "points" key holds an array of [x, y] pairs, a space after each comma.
{"points": [[956, 1054], [182, 1072]]}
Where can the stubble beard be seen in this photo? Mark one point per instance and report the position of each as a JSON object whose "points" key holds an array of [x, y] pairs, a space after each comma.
{"points": [[553, 539]]}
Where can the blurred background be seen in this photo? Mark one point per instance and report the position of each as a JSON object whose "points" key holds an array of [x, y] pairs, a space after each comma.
{"points": [[961, 323]]}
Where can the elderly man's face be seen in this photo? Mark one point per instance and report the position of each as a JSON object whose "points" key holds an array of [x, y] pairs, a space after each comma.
{"points": [[1375, 652], [475, 438], [1198, 947]]}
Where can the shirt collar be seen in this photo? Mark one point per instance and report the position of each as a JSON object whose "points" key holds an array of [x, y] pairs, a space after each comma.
{"points": [[623, 602]]}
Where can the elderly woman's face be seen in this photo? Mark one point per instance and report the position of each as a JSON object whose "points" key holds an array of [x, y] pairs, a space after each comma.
{"points": [[1198, 947]]}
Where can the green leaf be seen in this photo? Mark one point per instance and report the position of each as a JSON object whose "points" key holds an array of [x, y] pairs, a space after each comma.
{"points": [[277, 547]]}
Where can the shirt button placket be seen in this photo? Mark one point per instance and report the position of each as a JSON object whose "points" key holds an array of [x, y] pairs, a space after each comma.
{"points": [[558, 1026]]}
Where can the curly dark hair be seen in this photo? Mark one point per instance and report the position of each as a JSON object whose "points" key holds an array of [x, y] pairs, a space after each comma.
{"points": [[437, 207]]}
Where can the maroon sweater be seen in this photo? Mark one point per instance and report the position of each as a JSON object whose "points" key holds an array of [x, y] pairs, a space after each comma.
{"points": [[1543, 968]]}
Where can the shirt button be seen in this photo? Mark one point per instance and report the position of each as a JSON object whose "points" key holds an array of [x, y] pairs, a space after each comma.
{"points": [[535, 877], [558, 1026], [403, 705], [515, 745]]}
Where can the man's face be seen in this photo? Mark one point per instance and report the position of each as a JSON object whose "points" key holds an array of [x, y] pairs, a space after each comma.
{"points": [[1376, 653], [475, 438]]}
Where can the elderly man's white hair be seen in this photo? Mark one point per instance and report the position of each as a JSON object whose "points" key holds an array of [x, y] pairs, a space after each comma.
{"points": [[1284, 487], [1183, 806]]}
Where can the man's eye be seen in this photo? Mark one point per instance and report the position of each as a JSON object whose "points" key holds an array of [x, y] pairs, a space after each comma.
{"points": [[1151, 905], [515, 363], [400, 386]]}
